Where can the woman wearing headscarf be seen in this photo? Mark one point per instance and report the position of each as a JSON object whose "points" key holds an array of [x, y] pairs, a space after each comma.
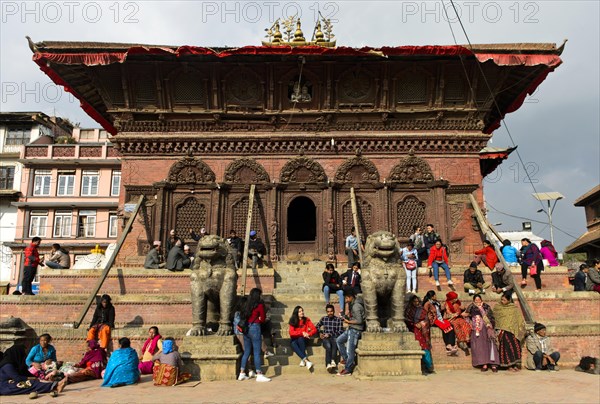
{"points": [[14, 376], [168, 366], [549, 253], [102, 322], [511, 331], [484, 351], [91, 365], [435, 314], [151, 346], [532, 263], [122, 368], [462, 328], [417, 322]]}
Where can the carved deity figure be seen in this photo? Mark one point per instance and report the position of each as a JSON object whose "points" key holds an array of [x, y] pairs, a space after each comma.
{"points": [[214, 279], [383, 281]]}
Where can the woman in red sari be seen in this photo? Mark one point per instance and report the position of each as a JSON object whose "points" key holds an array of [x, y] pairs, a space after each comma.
{"points": [[91, 365], [152, 346], [462, 328], [417, 322]]}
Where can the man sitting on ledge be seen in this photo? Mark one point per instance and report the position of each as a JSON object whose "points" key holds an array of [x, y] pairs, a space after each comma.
{"points": [[60, 258]]}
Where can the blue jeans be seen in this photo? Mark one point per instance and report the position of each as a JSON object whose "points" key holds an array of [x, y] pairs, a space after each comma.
{"points": [[436, 266], [252, 342], [299, 347], [350, 337], [54, 265], [539, 356], [340, 294], [330, 350]]}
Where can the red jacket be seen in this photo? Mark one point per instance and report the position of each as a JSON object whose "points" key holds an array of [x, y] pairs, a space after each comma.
{"points": [[32, 257], [490, 256], [304, 325], [437, 254], [258, 314]]}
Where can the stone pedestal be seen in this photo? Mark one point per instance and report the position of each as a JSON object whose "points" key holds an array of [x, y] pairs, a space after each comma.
{"points": [[211, 357], [15, 331], [382, 355]]}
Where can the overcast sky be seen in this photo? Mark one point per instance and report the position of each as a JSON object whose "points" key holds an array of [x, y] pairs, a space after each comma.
{"points": [[557, 129]]}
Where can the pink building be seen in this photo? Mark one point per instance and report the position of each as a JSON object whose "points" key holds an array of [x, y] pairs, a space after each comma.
{"points": [[70, 194]]}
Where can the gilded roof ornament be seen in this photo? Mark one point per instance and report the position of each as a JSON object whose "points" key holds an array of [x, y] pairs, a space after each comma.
{"points": [[292, 28]]}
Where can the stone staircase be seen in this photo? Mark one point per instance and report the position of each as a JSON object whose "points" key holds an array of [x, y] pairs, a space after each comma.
{"points": [[143, 298]]}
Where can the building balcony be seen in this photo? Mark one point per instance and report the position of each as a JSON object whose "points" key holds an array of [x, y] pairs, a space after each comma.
{"points": [[68, 153]]}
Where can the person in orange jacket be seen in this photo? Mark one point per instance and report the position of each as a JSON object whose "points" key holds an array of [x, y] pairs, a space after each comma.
{"points": [[487, 254], [438, 257], [301, 328]]}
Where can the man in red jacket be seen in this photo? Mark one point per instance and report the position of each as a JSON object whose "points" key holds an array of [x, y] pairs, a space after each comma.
{"points": [[487, 254], [32, 260]]}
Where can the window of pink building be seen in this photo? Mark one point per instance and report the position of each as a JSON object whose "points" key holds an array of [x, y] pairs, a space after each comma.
{"points": [[89, 182], [37, 223], [87, 223], [115, 188], [62, 224], [112, 225], [41, 182], [66, 183]]}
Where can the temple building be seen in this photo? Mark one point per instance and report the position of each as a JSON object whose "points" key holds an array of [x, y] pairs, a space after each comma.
{"points": [[406, 126]]}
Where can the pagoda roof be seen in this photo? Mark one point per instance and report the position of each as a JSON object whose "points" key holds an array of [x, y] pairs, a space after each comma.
{"points": [[56, 59]]}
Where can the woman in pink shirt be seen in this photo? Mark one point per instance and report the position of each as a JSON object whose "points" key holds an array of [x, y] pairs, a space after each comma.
{"points": [[549, 253]]}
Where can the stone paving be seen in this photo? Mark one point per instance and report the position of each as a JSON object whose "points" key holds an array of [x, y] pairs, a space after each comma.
{"points": [[460, 386]]}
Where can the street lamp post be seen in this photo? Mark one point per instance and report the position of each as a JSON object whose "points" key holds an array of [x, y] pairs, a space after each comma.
{"points": [[549, 197]]}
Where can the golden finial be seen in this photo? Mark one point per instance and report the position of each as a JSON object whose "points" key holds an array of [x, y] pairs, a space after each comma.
{"points": [[277, 35], [299, 35], [319, 34]]}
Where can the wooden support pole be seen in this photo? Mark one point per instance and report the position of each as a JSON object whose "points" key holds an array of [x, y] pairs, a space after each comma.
{"points": [[247, 239], [109, 264], [355, 221], [491, 234]]}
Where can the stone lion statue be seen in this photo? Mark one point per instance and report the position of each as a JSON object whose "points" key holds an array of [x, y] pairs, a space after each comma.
{"points": [[213, 279], [383, 282]]}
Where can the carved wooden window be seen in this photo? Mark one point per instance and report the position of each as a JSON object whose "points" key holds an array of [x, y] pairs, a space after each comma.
{"points": [[411, 212], [356, 87], [412, 89], [188, 88], [365, 218], [145, 91], [454, 86], [240, 215], [110, 77], [482, 94], [190, 215], [243, 88]]}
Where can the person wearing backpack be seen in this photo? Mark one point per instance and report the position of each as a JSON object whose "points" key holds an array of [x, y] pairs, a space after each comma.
{"points": [[410, 257]]}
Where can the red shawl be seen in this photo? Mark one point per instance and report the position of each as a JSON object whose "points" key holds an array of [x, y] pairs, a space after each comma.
{"points": [[151, 344], [453, 307]]}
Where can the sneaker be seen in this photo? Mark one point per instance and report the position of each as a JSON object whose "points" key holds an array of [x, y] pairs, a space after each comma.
{"points": [[309, 364], [302, 363], [344, 372], [268, 354], [482, 291], [251, 374], [414, 291], [333, 364], [242, 377], [437, 283], [328, 367], [450, 282], [262, 378], [471, 292]]}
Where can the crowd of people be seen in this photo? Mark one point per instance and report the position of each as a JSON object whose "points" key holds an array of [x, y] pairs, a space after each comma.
{"points": [[179, 255], [40, 372]]}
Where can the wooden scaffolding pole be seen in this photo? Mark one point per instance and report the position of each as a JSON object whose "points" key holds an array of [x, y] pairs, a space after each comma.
{"points": [[355, 221], [109, 264], [247, 239]]}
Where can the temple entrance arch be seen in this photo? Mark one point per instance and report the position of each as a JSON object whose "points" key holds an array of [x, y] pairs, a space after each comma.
{"points": [[302, 220]]}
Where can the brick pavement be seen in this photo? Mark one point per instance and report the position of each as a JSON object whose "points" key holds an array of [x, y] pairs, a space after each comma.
{"points": [[460, 386]]}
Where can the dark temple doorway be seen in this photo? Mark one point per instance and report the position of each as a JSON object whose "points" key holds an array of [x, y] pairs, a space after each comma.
{"points": [[302, 220]]}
